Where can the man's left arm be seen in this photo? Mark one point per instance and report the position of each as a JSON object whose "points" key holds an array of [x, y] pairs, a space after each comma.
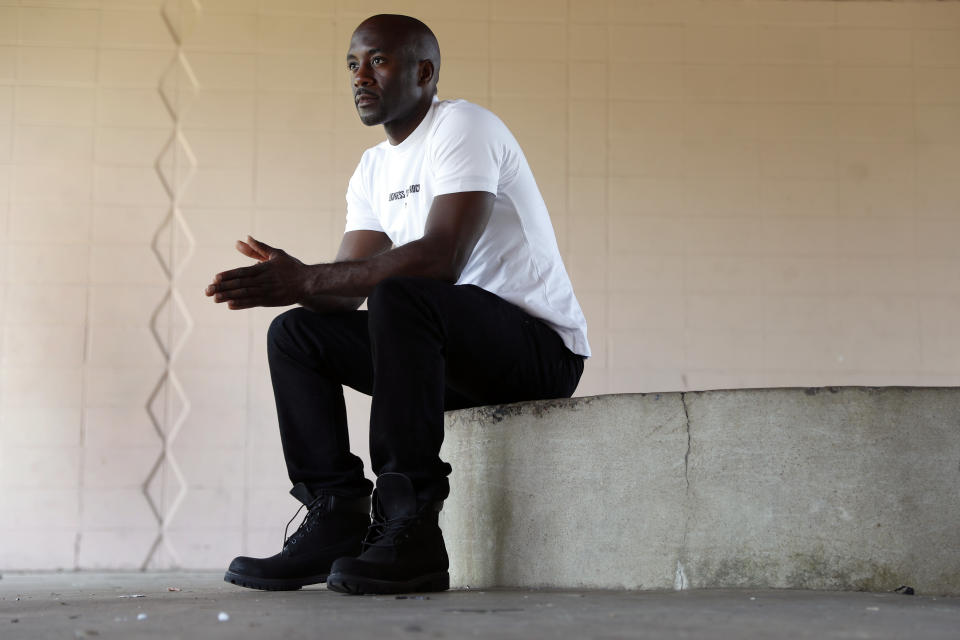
{"points": [[454, 225]]}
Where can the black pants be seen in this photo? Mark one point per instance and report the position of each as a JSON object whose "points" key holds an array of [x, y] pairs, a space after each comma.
{"points": [[423, 347]]}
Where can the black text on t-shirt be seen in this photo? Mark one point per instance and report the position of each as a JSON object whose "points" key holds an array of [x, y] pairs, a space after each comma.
{"points": [[403, 193]]}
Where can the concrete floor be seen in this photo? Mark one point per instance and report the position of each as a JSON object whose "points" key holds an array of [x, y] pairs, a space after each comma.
{"points": [[98, 605]]}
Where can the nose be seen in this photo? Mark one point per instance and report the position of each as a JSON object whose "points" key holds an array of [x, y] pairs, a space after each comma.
{"points": [[361, 77]]}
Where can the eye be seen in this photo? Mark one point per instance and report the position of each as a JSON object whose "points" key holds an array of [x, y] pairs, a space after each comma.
{"points": [[352, 66], [378, 60]]}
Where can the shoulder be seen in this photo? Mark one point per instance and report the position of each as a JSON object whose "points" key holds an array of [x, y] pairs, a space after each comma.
{"points": [[462, 117]]}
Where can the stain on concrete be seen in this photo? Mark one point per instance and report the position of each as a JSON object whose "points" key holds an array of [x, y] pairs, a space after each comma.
{"points": [[814, 570], [742, 571], [538, 408], [879, 577], [817, 568], [812, 391], [822, 570]]}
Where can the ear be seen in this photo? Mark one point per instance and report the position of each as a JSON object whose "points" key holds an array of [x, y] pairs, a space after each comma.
{"points": [[425, 72]]}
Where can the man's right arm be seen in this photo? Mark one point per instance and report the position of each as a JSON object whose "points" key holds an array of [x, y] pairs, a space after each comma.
{"points": [[356, 245]]}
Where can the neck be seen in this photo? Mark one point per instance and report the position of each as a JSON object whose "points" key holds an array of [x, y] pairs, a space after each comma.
{"points": [[398, 130]]}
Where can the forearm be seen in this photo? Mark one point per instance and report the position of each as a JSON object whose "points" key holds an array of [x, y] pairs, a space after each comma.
{"points": [[356, 279]]}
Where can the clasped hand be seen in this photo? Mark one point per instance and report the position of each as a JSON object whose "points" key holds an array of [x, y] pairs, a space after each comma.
{"points": [[277, 280]]}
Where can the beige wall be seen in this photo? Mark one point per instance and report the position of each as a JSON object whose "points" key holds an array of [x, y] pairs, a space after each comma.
{"points": [[745, 193]]}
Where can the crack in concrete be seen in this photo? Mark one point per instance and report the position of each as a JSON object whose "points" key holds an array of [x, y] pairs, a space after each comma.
{"points": [[686, 456], [681, 579]]}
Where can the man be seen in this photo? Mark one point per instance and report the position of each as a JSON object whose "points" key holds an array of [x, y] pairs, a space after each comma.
{"points": [[449, 241]]}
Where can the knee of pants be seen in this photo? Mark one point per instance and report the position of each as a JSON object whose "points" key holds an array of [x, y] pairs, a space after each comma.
{"points": [[392, 295], [282, 329]]}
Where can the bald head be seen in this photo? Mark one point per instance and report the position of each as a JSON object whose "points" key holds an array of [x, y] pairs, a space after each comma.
{"points": [[406, 35]]}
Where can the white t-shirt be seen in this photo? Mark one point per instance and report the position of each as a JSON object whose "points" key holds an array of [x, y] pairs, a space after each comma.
{"points": [[458, 147]]}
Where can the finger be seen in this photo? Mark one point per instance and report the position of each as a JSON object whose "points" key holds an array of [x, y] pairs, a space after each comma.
{"points": [[250, 303], [263, 248], [240, 294], [249, 251], [251, 300], [241, 272], [236, 283]]}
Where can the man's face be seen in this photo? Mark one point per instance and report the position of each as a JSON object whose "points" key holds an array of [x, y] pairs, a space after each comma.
{"points": [[383, 78]]}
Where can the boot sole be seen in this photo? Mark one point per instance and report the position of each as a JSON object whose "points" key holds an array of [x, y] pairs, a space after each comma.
{"points": [[358, 585], [272, 584]]}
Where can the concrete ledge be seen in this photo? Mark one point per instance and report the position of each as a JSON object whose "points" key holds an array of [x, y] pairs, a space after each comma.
{"points": [[839, 488]]}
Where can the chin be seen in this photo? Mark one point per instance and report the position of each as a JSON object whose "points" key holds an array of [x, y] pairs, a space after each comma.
{"points": [[371, 119]]}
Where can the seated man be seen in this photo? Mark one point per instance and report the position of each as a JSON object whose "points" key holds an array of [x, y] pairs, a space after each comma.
{"points": [[449, 241]]}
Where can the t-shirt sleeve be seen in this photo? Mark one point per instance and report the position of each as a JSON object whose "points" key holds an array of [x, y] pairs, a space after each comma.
{"points": [[467, 152], [360, 214]]}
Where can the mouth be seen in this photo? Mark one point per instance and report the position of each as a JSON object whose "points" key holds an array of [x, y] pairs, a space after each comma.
{"points": [[365, 98]]}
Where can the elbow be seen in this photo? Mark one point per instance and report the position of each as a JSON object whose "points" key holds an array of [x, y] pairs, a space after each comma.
{"points": [[445, 264], [453, 267], [445, 272], [440, 256]]}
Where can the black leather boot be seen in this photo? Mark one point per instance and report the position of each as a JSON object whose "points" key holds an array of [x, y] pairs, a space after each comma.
{"points": [[404, 550], [334, 527]]}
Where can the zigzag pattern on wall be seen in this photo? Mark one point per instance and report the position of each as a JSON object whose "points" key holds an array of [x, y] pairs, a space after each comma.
{"points": [[173, 244]]}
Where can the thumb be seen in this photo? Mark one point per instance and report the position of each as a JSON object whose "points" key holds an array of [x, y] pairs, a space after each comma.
{"points": [[250, 252], [261, 247]]}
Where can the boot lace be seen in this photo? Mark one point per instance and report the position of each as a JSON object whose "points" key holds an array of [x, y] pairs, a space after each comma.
{"points": [[314, 511], [384, 533]]}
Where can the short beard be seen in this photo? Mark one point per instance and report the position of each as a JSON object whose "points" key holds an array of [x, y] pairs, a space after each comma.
{"points": [[371, 119]]}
